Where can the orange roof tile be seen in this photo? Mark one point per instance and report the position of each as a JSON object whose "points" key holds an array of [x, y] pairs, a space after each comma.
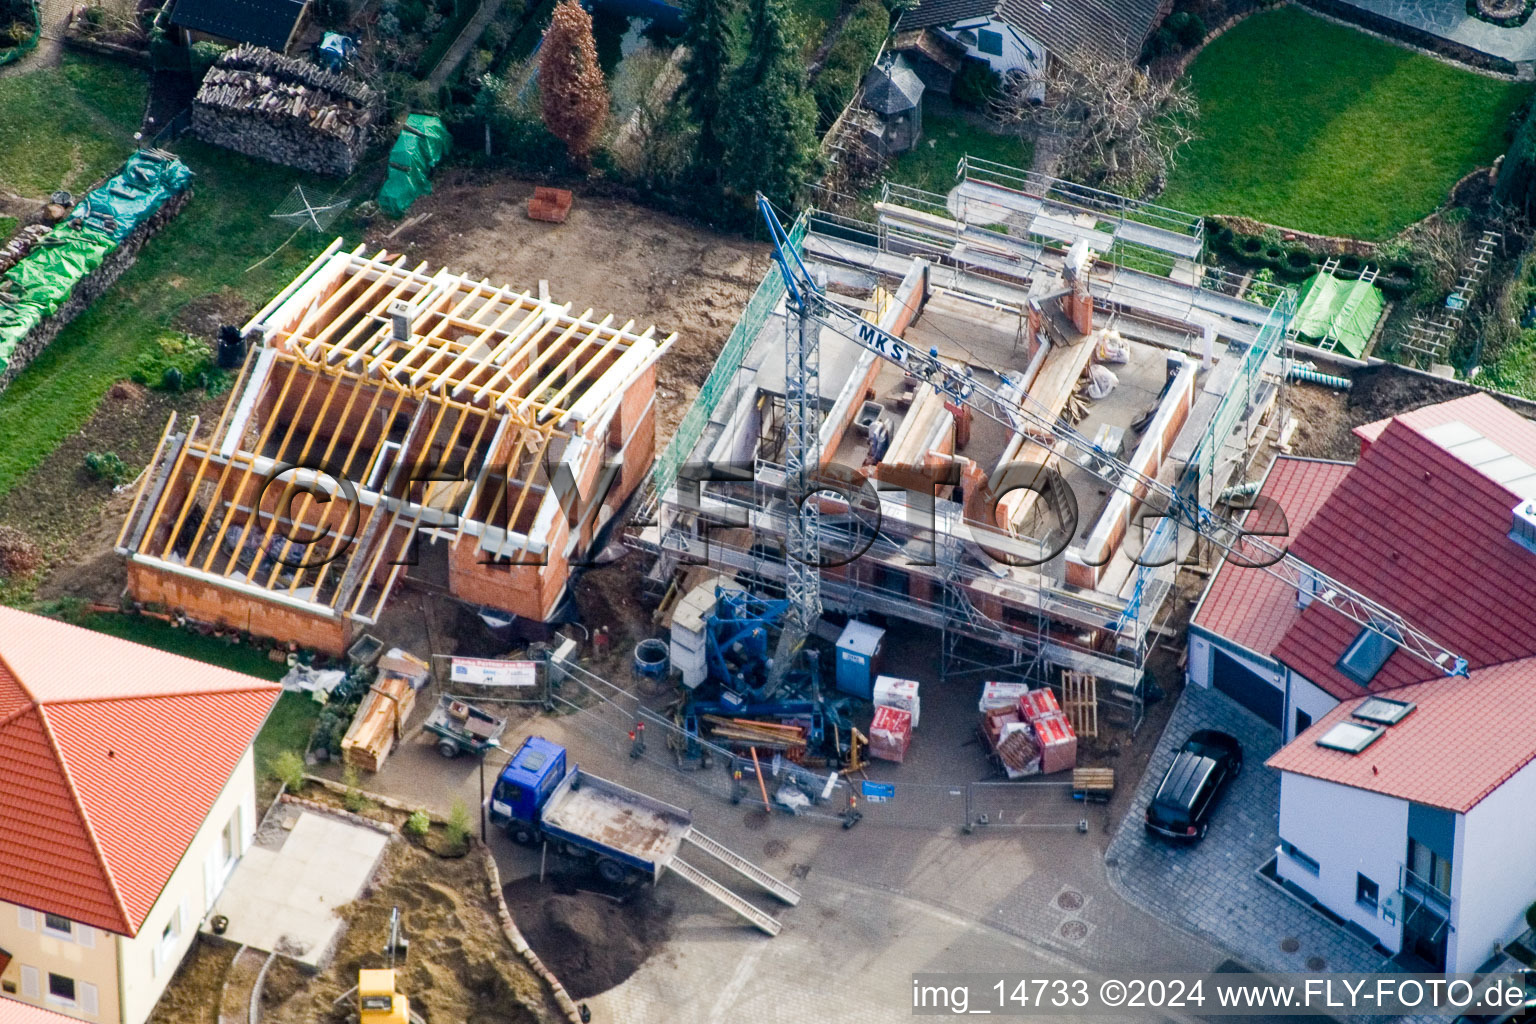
{"points": [[112, 755], [14, 1011], [1250, 606], [1462, 740]]}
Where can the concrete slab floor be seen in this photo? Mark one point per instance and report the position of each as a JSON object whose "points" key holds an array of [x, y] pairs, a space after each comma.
{"points": [[287, 896]]}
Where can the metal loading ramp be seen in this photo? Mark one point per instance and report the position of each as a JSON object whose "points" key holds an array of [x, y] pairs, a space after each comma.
{"points": [[736, 862], [762, 921]]}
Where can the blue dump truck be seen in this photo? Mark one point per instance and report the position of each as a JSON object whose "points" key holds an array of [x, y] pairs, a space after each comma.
{"points": [[627, 836]]}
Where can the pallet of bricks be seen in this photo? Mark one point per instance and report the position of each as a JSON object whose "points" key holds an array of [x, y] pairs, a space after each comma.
{"points": [[286, 111], [1025, 730]]}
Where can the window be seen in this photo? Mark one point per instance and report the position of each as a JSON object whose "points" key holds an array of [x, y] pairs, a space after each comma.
{"points": [[168, 938], [1350, 737], [1429, 867], [1300, 858], [1303, 722], [990, 42], [58, 926], [229, 839], [60, 988], [1366, 891], [1370, 650], [1382, 710]]}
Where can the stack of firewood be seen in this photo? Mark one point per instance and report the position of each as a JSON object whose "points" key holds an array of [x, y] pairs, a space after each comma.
{"points": [[21, 243], [290, 112]]}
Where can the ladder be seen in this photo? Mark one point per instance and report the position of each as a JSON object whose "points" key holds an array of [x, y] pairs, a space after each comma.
{"points": [[1330, 341], [761, 920], [1430, 334], [743, 867]]}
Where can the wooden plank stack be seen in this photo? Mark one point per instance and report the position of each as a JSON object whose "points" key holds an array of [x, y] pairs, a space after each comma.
{"points": [[748, 732], [380, 722], [287, 111]]}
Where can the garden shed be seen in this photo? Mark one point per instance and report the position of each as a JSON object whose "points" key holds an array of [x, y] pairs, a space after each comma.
{"points": [[275, 24]]}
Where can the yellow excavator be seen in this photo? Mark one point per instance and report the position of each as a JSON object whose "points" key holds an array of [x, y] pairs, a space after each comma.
{"points": [[379, 1001]]}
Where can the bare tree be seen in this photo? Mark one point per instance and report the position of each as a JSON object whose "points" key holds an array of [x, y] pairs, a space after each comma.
{"points": [[1116, 124]]}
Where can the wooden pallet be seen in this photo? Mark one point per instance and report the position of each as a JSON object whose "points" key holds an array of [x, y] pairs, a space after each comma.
{"points": [[1093, 783], [1080, 702]]}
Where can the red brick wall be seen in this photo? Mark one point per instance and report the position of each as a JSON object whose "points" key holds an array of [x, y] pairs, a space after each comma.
{"points": [[205, 601]]}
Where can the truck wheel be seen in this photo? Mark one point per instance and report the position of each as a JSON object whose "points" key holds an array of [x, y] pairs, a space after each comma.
{"points": [[448, 748], [522, 835], [612, 872]]}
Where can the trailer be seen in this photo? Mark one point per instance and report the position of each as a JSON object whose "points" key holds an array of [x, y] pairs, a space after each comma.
{"points": [[626, 835], [460, 726]]}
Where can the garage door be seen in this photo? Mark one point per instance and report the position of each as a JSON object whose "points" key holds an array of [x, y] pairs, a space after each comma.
{"points": [[1247, 687]]}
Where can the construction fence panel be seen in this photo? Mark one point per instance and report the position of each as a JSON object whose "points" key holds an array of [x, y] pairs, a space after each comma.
{"points": [[1044, 802], [670, 462]]}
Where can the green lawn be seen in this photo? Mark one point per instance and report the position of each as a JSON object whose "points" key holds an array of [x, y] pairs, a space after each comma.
{"points": [[1311, 125], [225, 229], [946, 138], [68, 126]]}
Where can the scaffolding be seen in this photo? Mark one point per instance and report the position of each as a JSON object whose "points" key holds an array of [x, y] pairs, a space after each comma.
{"points": [[995, 622]]}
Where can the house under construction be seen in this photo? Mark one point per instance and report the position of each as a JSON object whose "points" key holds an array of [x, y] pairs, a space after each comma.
{"points": [[1035, 286], [389, 420]]}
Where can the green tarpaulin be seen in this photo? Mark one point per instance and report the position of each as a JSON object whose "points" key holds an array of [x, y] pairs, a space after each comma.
{"points": [[40, 284], [1344, 310], [421, 144]]}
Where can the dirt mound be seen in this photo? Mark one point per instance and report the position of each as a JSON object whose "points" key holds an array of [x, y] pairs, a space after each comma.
{"points": [[459, 967], [592, 940]]}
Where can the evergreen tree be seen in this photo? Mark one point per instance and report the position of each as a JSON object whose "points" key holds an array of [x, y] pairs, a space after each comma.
{"points": [[572, 94], [709, 39], [768, 119]]}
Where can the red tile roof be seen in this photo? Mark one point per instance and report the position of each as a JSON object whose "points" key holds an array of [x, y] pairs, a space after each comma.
{"points": [[1482, 412], [1417, 529], [112, 756], [1462, 740], [14, 1011], [1249, 606]]}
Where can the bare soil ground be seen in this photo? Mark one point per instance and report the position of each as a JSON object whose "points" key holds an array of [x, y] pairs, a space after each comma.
{"points": [[592, 938], [192, 997], [459, 968], [1327, 417], [610, 254]]}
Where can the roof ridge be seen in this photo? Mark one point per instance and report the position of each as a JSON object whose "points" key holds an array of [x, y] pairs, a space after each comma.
{"points": [[108, 698], [10, 670], [85, 819]]}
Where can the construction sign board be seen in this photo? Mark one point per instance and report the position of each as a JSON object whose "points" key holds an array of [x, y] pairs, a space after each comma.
{"points": [[878, 792], [486, 672]]}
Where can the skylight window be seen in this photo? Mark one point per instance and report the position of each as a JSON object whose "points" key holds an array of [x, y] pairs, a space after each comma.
{"points": [[1370, 650], [1383, 711], [1350, 737]]}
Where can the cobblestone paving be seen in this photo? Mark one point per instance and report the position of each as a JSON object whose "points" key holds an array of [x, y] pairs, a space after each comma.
{"points": [[1210, 887], [1450, 20]]}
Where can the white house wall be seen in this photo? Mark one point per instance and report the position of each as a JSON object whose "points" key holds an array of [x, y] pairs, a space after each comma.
{"points": [[1347, 831], [1302, 695], [143, 972], [1493, 872], [1019, 50]]}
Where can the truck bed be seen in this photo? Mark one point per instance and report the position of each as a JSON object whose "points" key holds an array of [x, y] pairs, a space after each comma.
{"points": [[632, 824]]}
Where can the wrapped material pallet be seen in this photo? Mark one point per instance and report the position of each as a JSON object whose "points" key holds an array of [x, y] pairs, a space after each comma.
{"points": [[1001, 695], [890, 734], [891, 692], [1058, 743], [1018, 751], [380, 722], [1039, 703]]}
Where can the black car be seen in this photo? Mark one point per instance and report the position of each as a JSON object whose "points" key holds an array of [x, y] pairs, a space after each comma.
{"points": [[1206, 762]]}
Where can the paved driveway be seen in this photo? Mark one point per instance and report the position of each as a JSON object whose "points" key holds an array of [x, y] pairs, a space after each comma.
{"points": [[1211, 887]]}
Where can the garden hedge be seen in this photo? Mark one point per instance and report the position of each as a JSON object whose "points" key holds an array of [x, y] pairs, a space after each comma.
{"points": [[851, 54]]}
